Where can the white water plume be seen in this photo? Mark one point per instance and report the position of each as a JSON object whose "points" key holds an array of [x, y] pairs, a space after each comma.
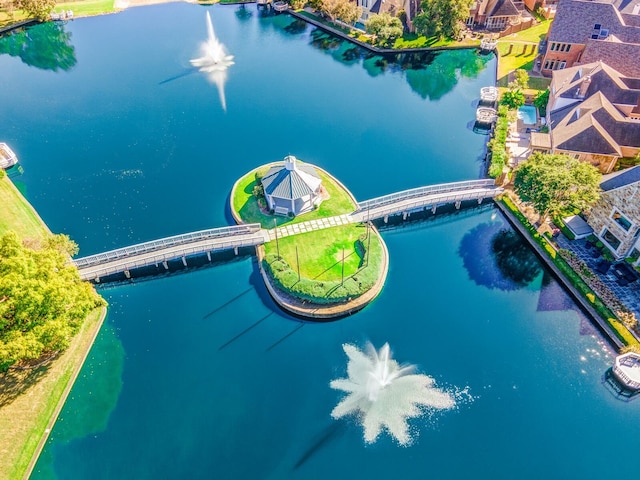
{"points": [[214, 61], [384, 394]]}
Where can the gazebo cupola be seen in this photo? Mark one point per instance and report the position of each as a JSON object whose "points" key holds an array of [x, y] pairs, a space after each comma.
{"points": [[291, 188]]}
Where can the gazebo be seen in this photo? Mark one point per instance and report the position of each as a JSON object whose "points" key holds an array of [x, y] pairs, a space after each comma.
{"points": [[292, 188]]}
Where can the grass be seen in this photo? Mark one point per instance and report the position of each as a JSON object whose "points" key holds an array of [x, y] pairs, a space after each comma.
{"points": [[246, 205], [513, 58], [16, 214], [534, 34], [86, 8], [29, 400], [412, 40], [320, 252]]}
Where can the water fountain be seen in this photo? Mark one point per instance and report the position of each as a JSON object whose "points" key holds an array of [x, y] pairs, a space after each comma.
{"points": [[214, 61], [385, 394]]}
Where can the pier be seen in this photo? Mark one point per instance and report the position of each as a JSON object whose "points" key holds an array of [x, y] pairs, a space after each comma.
{"points": [[486, 115], [181, 247], [7, 157]]}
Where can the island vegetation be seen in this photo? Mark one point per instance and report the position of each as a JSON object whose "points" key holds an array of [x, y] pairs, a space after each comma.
{"points": [[323, 267]]}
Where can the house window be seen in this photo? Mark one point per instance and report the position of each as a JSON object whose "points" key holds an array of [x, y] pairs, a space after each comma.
{"points": [[549, 64], [561, 65], [611, 239], [604, 33], [597, 26], [621, 220], [552, 47], [595, 36]]}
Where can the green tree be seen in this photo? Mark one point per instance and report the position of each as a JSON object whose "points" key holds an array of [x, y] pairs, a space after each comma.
{"points": [[521, 80], [344, 10], [385, 27], [513, 98], [553, 183], [443, 18], [42, 299], [38, 8], [541, 100]]}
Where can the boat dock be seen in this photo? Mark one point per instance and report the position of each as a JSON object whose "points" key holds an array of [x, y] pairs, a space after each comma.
{"points": [[7, 157]]}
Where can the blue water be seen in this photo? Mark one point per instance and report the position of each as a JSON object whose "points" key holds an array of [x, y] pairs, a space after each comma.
{"points": [[121, 143], [528, 114]]}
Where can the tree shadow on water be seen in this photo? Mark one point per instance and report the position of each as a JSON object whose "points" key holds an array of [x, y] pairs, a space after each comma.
{"points": [[46, 46], [496, 257]]}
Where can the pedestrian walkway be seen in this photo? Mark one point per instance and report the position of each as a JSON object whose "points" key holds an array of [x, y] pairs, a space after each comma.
{"points": [[310, 226], [629, 295]]}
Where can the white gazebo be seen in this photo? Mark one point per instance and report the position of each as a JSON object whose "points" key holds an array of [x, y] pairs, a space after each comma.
{"points": [[627, 370], [292, 188]]}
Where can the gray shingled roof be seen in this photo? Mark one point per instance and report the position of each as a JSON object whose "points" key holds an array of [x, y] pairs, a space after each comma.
{"points": [[282, 183], [621, 179], [502, 8], [621, 56], [575, 19]]}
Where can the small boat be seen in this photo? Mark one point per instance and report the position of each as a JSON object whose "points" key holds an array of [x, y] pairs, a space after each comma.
{"points": [[7, 158]]}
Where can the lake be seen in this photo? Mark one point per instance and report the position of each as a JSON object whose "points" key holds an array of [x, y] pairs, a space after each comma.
{"points": [[199, 374]]}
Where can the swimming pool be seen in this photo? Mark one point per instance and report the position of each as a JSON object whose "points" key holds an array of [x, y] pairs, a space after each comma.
{"points": [[528, 114]]}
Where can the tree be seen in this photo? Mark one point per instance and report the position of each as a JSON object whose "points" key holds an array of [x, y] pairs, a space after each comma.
{"points": [[38, 8], [541, 100], [443, 18], [42, 299], [552, 183], [521, 80], [385, 27], [343, 10], [513, 99]]}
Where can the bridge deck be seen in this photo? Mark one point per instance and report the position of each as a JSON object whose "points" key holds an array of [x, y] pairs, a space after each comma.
{"points": [[158, 251]]}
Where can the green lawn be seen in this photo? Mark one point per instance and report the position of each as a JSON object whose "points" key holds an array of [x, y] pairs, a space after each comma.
{"points": [[16, 214], [86, 8], [533, 34], [320, 252], [246, 204], [511, 57]]}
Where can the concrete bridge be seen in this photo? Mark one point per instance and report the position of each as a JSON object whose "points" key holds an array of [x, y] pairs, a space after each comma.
{"points": [[159, 252]]}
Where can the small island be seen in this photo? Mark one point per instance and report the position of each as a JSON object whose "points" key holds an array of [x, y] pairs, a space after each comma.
{"points": [[319, 262]]}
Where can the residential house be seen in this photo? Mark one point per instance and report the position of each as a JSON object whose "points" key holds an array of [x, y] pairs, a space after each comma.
{"points": [[392, 7], [548, 7], [615, 219], [580, 27], [495, 14], [594, 114]]}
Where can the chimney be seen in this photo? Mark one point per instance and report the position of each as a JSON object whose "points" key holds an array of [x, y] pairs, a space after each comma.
{"points": [[584, 86]]}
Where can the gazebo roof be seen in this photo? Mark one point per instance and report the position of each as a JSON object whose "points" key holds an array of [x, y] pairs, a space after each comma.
{"points": [[290, 180]]}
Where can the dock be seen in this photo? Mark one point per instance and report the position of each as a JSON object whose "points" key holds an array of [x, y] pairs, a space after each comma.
{"points": [[7, 156], [626, 369], [489, 94], [486, 115]]}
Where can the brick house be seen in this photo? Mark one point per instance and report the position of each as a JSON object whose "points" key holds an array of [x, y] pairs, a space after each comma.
{"points": [[594, 114], [581, 25], [615, 219], [392, 7]]}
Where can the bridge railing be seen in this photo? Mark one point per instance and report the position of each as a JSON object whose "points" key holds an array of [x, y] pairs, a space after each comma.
{"points": [[409, 204], [424, 191], [183, 239], [94, 271]]}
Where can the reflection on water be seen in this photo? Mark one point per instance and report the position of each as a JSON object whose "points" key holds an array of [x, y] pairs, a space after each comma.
{"points": [[94, 396], [47, 47], [491, 245], [430, 74]]}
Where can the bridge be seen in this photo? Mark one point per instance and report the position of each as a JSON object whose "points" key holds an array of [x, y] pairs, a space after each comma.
{"points": [[431, 196], [159, 252]]}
